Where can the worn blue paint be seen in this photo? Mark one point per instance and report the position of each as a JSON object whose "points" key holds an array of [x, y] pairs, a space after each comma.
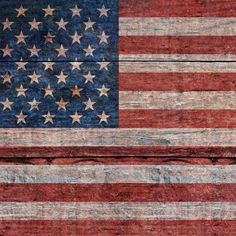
{"points": [[109, 52]]}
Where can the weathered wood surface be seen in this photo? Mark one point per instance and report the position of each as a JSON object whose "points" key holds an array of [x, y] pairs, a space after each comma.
{"points": [[168, 67], [177, 81], [177, 26], [223, 137], [118, 211], [202, 100], [26, 153], [75, 174], [176, 8], [119, 192], [117, 227]]}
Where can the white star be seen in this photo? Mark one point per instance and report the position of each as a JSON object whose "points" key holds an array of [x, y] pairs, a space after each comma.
{"points": [[34, 78], [76, 38], [7, 24], [21, 118], [61, 104], [62, 24], [89, 104], [76, 91], [61, 78], [7, 104], [48, 91], [7, 78], [7, 51], [103, 117], [89, 78], [103, 65], [103, 38], [49, 38], [103, 91], [34, 24], [48, 118], [76, 65], [103, 11], [48, 11], [21, 38], [21, 91], [21, 11], [75, 118], [48, 65], [34, 51], [76, 11], [61, 51], [34, 105], [21, 65], [89, 24], [89, 51]]}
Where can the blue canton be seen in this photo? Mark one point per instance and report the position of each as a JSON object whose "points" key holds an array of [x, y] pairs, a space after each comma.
{"points": [[59, 63]]}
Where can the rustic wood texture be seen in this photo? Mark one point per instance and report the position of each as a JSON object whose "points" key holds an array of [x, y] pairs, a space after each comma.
{"points": [[221, 137], [177, 81], [75, 174], [118, 192], [118, 211], [177, 100], [198, 26], [117, 227], [86, 153], [175, 8]]}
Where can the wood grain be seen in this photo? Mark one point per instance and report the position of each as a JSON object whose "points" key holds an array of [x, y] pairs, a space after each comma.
{"points": [[118, 211], [119, 137], [117, 227], [75, 174], [178, 26], [96, 155], [118, 192], [150, 118], [177, 81], [175, 8], [177, 100]]}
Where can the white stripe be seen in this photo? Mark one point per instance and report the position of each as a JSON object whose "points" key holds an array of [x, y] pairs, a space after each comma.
{"points": [[142, 67], [177, 26], [177, 100], [117, 137], [118, 211], [75, 174], [176, 57]]}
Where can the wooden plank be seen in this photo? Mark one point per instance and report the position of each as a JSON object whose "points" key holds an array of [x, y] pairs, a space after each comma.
{"points": [[177, 100], [117, 227], [178, 26], [118, 137], [130, 156], [92, 154], [177, 118], [175, 8], [169, 67], [118, 192], [75, 174], [118, 211], [177, 45], [177, 81]]}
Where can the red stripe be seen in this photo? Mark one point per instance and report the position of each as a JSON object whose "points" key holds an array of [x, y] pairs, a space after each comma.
{"points": [[177, 118], [92, 154], [177, 81], [176, 8], [118, 192], [116, 227], [177, 45]]}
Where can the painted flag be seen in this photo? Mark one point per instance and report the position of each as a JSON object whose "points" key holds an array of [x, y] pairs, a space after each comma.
{"points": [[92, 92]]}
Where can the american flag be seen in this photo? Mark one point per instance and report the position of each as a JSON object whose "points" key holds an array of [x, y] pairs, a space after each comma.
{"points": [[117, 117]]}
